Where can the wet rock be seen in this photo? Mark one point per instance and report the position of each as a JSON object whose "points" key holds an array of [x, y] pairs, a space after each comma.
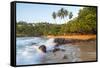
{"points": [[43, 48], [60, 41], [65, 57], [63, 50], [56, 49], [33, 43]]}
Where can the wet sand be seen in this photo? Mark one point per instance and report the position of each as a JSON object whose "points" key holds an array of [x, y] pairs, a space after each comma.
{"points": [[87, 53], [70, 54], [80, 37], [87, 50], [87, 46]]}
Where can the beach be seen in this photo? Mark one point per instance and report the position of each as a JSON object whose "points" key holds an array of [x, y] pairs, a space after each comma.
{"points": [[87, 45], [77, 49], [87, 50], [80, 37]]}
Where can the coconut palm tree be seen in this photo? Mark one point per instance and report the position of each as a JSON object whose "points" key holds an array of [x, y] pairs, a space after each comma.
{"points": [[62, 13], [70, 15], [54, 15]]}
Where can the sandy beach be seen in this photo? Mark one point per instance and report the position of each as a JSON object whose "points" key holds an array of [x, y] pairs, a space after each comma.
{"points": [[76, 50], [81, 37], [87, 48]]}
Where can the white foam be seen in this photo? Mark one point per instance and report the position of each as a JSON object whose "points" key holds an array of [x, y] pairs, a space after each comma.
{"points": [[29, 55], [27, 41], [32, 55], [50, 44]]}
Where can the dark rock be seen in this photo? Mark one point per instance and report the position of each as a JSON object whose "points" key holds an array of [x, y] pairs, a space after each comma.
{"points": [[62, 50], [65, 57], [60, 41], [43, 48], [56, 49], [33, 43]]}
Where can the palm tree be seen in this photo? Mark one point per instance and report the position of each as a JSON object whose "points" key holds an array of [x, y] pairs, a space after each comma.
{"points": [[62, 13], [54, 15], [70, 15], [66, 12]]}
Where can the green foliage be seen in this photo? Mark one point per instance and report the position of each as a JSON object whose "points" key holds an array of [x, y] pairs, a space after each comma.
{"points": [[84, 23], [87, 17]]}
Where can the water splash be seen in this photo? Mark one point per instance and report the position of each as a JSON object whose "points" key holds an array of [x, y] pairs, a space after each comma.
{"points": [[27, 54]]}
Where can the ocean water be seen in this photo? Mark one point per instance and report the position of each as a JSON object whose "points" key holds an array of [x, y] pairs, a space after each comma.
{"points": [[27, 51]]}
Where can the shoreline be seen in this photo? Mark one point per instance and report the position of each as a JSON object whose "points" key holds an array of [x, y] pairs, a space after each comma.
{"points": [[79, 37], [71, 37], [87, 50], [87, 47]]}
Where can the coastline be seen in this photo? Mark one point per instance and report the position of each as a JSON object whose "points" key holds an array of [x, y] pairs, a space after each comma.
{"points": [[73, 36], [86, 44], [79, 37]]}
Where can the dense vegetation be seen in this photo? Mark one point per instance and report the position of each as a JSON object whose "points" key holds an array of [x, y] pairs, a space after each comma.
{"points": [[84, 23]]}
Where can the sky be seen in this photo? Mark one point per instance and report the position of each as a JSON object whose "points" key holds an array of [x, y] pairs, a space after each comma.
{"points": [[32, 13]]}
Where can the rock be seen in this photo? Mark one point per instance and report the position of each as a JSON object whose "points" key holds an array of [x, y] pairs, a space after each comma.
{"points": [[60, 41], [43, 48], [33, 43], [65, 57], [56, 49], [63, 50]]}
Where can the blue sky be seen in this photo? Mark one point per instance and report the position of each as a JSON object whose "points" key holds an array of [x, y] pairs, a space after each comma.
{"points": [[33, 13]]}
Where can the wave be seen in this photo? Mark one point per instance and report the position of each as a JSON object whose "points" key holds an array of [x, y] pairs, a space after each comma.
{"points": [[27, 54]]}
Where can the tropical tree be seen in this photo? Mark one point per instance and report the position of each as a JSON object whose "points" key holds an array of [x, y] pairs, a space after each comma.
{"points": [[54, 15], [62, 13], [70, 15]]}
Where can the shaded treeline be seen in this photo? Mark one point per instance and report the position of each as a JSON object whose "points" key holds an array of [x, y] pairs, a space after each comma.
{"points": [[84, 23]]}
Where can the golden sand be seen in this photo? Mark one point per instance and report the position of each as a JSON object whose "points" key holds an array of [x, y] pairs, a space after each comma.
{"points": [[82, 37]]}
